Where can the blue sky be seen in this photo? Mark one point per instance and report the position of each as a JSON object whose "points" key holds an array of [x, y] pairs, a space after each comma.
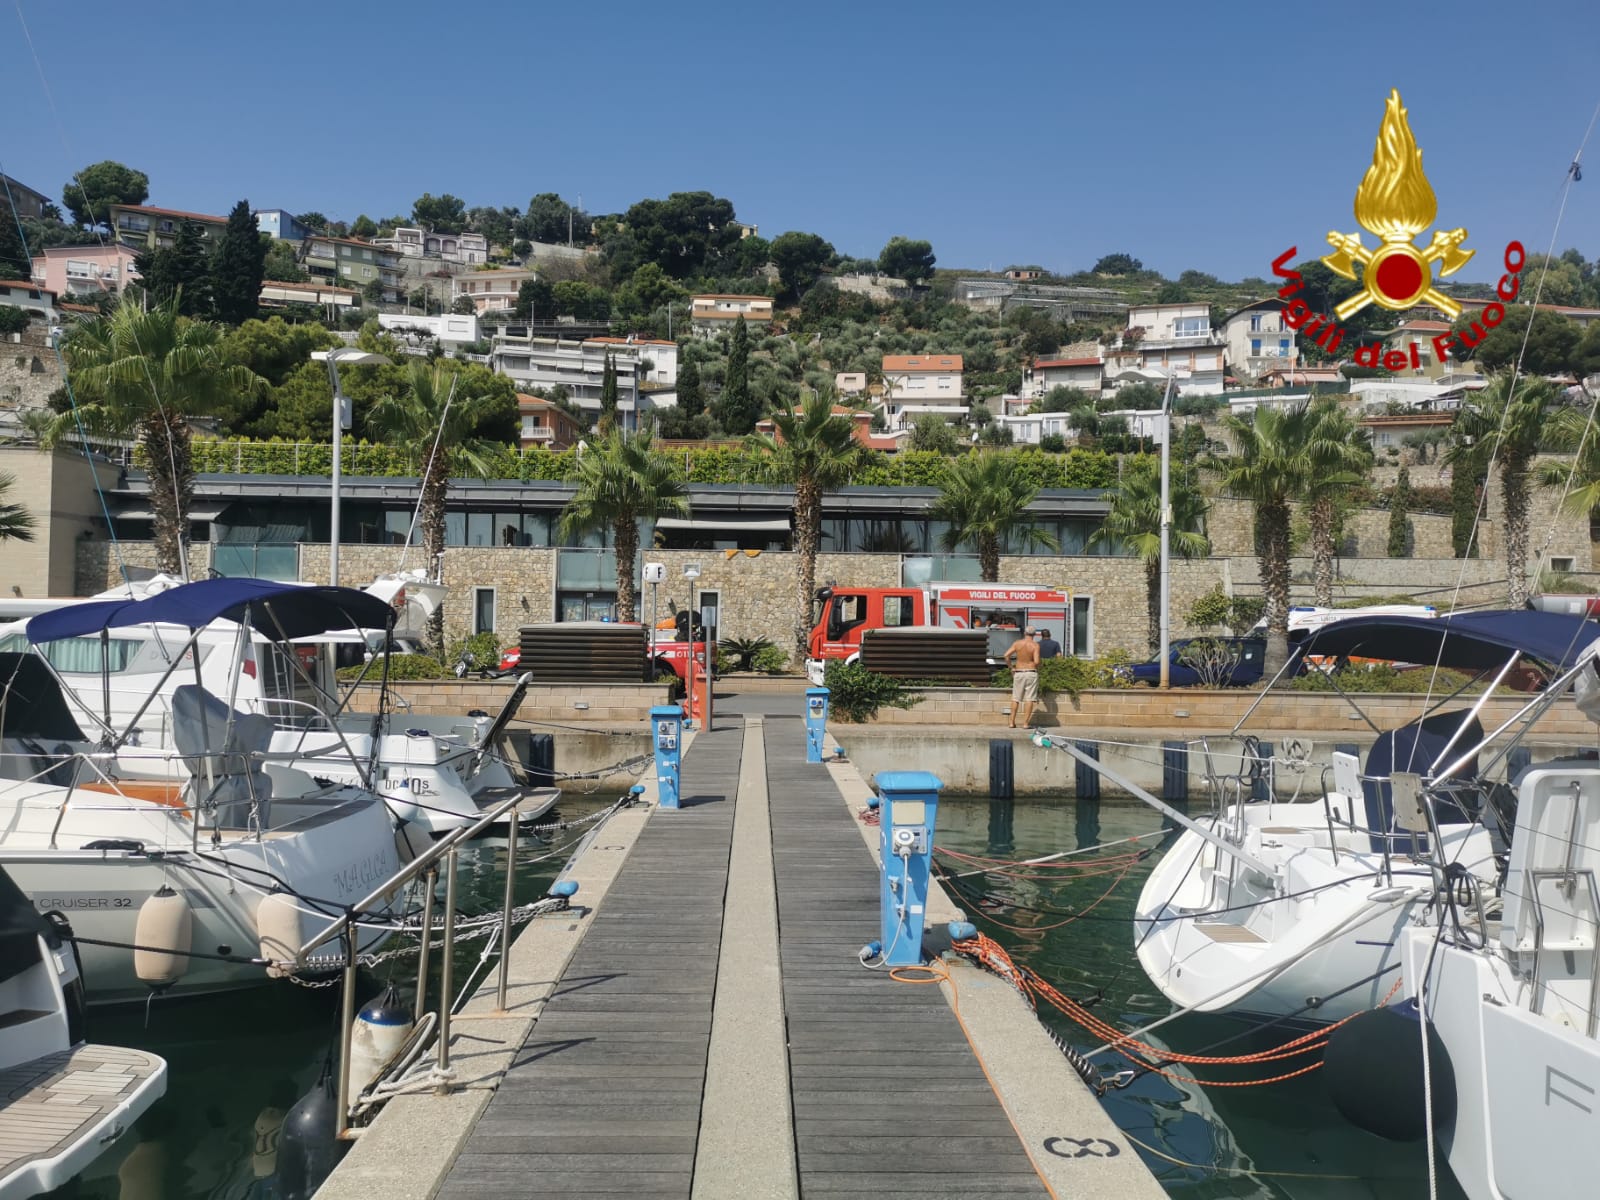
{"points": [[1210, 136]]}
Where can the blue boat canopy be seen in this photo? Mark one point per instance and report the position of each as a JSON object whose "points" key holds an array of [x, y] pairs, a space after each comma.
{"points": [[281, 611], [1466, 641]]}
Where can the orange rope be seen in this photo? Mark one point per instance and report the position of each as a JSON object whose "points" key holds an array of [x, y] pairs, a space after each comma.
{"points": [[1033, 988]]}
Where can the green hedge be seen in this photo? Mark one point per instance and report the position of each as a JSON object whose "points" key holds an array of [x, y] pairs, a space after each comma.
{"points": [[712, 464]]}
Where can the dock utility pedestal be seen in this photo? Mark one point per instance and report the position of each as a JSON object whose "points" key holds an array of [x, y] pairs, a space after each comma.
{"points": [[816, 722], [666, 734], [905, 851]]}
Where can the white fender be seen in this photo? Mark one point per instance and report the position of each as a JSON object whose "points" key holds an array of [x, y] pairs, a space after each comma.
{"points": [[166, 927]]}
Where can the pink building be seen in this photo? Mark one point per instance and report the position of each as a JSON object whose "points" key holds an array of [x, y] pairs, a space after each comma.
{"points": [[84, 269]]}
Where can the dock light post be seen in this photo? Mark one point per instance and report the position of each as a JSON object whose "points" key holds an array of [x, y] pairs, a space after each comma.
{"points": [[341, 422], [1166, 534], [654, 573]]}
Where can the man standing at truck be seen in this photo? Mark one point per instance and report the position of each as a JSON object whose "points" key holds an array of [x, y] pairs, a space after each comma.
{"points": [[1023, 655]]}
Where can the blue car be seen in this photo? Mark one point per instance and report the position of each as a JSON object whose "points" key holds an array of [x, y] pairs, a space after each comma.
{"points": [[1248, 655]]}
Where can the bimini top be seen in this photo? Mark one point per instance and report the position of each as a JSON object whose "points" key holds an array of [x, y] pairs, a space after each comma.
{"points": [[1466, 641], [282, 611]]}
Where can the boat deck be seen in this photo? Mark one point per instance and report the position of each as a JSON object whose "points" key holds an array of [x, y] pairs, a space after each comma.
{"points": [[48, 1104]]}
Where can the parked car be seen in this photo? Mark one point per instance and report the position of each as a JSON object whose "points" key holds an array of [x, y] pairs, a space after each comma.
{"points": [[1185, 669]]}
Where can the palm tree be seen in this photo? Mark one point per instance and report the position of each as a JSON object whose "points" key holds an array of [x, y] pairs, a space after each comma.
{"points": [[1134, 523], [143, 375], [1510, 417], [985, 502], [1272, 464], [622, 481], [16, 522], [1341, 453], [1579, 479], [430, 414], [816, 450]]}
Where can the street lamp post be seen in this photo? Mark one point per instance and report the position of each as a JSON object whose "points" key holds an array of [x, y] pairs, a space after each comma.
{"points": [[341, 422], [1166, 532]]}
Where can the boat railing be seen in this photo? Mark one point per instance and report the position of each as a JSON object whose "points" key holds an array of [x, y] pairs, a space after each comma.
{"points": [[443, 854]]}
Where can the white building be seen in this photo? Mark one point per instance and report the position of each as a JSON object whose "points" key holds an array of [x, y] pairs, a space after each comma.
{"points": [[647, 371], [914, 384], [850, 383], [465, 248], [713, 314], [1258, 341], [491, 291], [23, 293], [1076, 368], [451, 327], [1171, 340]]}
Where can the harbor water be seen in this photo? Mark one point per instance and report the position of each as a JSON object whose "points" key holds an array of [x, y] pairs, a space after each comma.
{"points": [[238, 1062]]}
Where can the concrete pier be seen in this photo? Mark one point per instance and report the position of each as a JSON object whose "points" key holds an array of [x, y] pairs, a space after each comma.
{"points": [[702, 1029]]}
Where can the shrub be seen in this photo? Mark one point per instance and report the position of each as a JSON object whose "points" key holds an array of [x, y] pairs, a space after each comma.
{"points": [[483, 647], [856, 694], [739, 654], [771, 660], [1384, 677], [401, 667], [1072, 675]]}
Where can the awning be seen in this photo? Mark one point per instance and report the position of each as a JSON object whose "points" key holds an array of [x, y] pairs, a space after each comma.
{"points": [[278, 610], [198, 512], [709, 525], [1471, 641]]}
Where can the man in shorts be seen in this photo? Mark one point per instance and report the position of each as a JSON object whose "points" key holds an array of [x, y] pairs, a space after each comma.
{"points": [[1023, 656]]}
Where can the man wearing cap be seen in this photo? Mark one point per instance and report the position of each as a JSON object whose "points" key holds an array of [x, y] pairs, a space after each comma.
{"points": [[1023, 655]]}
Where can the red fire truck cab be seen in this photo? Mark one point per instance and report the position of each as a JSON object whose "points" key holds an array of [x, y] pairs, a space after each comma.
{"points": [[846, 613]]}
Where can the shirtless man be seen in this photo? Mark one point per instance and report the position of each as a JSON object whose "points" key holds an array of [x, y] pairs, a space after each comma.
{"points": [[1023, 656]]}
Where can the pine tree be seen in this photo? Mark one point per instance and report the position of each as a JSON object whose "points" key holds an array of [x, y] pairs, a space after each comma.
{"points": [[179, 270], [608, 397], [735, 410], [1399, 510], [1464, 469], [14, 262], [691, 399], [238, 268]]}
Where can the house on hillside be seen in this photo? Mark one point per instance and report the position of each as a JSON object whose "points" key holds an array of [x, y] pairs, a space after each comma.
{"points": [[1390, 432], [647, 370], [1174, 341], [1078, 366], [860, 426], [713, 314], [84, 270], [494, 291], [350, 262], [922, 383], [19, 293], [147, 228], [280, 225], [544, 424], [469, 249], [1258, 340], [27, 202], [1422, 334]]}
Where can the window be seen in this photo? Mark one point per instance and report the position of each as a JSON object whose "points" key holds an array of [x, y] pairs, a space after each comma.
{"points": [[1082, 643], [1255, 323], [483, 610], [1564, 566], [1255, 347], [848, 611], [81, 655], [1191, 327], [897, 612], [1283, 347]]}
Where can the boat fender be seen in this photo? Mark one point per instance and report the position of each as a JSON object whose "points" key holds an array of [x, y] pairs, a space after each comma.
{"points": [[1373, 1071], [565, 888], [308, 1149], [376, 1036], [279, 935], [163, 934]]}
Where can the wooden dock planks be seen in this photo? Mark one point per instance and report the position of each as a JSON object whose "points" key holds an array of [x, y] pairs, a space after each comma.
{"points": [[888, 1098], [604, 1098]]}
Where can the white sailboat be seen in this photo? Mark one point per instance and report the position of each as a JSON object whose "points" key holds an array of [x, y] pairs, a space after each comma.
{"points": [[1266, 909], [1504, 983], [216, 851]]}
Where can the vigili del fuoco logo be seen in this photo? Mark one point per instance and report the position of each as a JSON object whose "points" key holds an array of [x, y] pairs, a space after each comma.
{"points": [[1395, 203]]}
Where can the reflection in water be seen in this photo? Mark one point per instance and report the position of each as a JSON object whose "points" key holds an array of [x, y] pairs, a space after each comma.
{"points": [[1277, 1140], [238, 1062]]}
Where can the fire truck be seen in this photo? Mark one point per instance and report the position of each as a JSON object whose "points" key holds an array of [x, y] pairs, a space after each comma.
{"points": [[845, 614]]}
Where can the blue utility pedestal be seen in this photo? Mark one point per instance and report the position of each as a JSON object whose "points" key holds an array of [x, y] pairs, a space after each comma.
{"points": [[816, 722], [905, 846], [666, 729]]}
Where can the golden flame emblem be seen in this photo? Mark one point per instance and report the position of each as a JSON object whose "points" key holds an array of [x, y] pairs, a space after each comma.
{"points": [[1395, 202]]}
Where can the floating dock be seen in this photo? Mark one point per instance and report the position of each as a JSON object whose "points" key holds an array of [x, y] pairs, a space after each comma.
{"points": [[701, 1027]]}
